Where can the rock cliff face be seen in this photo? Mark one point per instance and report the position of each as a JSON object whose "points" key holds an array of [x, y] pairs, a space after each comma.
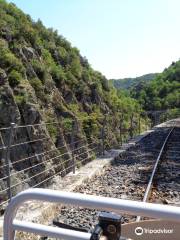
{"points": [[44, 79]]}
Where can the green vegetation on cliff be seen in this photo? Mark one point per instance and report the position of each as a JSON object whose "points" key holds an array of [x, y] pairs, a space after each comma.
{"points": [[44, 78], [161, 93]]}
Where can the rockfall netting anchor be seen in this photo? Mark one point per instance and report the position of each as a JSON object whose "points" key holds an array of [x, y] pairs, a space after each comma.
{"points": [[120, 129], [8, 162], [74, 129], [103, 136], [139, 123]]}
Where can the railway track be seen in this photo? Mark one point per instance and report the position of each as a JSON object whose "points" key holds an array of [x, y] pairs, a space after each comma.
{"points": [[159, 166], [168, 174], [129, 176]]}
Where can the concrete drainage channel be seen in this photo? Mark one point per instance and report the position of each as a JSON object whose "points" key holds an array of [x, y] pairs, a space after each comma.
{"points": [[43, 213]]}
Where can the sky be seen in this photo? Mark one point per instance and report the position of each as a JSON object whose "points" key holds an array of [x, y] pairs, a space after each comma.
{"points": [[120, 38]]}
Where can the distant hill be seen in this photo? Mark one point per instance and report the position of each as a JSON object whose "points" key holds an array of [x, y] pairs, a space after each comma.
{"points": [[126, 83], [161, 93]]}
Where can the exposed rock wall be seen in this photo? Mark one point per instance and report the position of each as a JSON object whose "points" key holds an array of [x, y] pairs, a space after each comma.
{"points": [[44, 79]]}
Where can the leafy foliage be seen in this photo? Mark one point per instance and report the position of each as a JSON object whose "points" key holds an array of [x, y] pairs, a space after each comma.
{"points": [[14, 78], [161, 93]]}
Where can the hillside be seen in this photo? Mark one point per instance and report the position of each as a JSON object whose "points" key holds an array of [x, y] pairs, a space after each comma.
{"points": [[161, 93], [44, 79], [127, 83]]}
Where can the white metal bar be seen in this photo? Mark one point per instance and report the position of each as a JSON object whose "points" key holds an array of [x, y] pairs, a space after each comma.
{"points": [[50, 231], [102, 203]]}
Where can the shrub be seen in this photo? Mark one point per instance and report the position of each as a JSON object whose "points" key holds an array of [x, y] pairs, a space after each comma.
{"points": [[67, 124], [39, 69], [53, 131], [20, 99], [63, 55], [57, 74], [14, 78], [37, 85], [75, 67], [8, 59]]}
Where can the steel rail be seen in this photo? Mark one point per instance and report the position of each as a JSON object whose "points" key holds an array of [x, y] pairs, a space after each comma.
{"points": [[147, 192]]}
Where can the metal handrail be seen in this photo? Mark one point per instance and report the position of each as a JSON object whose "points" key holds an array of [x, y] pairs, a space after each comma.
{"points": [[130, 207]]}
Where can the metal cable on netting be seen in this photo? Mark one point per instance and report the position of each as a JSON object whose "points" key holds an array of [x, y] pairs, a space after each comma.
{"points": [[4, 202], [60, 164], [86, 141], [59, 172], [48, 160], [47, 179], [23, 143], [76, 149], [41, 163], [35, 140], [24, 181], [51, 123], [36, 124], [43, 153], [3, 148]]}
